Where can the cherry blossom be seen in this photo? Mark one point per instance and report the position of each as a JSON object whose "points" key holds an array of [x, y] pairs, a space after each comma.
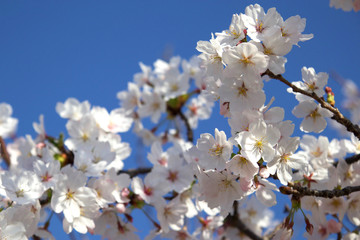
{"points": [[221, 187]]}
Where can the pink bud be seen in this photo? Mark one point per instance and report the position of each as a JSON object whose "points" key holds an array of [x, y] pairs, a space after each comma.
{"points": [[120, 208], [328, 89], [40, 145], [129, 217], [309, 227], [224, 108], [264, 173], [245, 184], [125, 192], [356, 5], [334, 226]]}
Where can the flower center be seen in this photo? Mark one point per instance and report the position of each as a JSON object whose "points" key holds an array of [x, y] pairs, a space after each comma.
{"points": [[314, 114], [242, 90], [19, 193], [317, 152], [173, 176], [69, 195], [216, 151], [246, 60], [285, 157]]}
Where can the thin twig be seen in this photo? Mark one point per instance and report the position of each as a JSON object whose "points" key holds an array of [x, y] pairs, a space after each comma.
{"points": [[4, 153], [337, 115], [293, 189], [136, 171], [189, 131]]}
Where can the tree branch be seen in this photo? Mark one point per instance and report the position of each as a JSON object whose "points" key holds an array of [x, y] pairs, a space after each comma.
{"points": [[136, 171], [299, 191], [237, 223], [352, 159], [4, 153], [189, 132], [337, 115], [233, 220]]}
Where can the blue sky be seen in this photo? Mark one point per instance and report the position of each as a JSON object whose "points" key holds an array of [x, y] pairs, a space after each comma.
{"points": [[52, 50]]}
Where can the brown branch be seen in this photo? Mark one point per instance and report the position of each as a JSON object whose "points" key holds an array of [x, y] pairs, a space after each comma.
{"points": [[189, 132], [136, 171], [4, 153], [300, 191], [274, 231], [233, 220], [352, 159], [337, 115], [237, 223]]}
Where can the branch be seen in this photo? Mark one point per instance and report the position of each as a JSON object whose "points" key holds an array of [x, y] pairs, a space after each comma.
{"points": [[352, 159], [299, 191], [189, 132], [274, 231], [4, 153], [136, 171], [237, 223], [234, 221], [337, 115]]}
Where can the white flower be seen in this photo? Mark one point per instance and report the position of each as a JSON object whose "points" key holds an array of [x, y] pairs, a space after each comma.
{"points": [[258, 23], [285, 160], [346, 5], [245, 59], [157, 156], [151, 190], [211, 54], [259, 141], [264, 192], [241, 94], [255, 214], [292, 29], [40, 129], [208, 226], [70, 194], [174, 85], [145, 77], [199, 108], [84, 222], [177, 176], [121, 149], [8, 124], [214, 152], [235, 33], [240, 165], [84, 162], [48, 172], [115, 122], [219, 189], [312, 83], [22, 187], [72, 109], [153, 106], [28, 215], [313, 114], [352, 146], [192, 68], [13, 231], [81, 132], [130, 99], [353, 212], [170, 215]]}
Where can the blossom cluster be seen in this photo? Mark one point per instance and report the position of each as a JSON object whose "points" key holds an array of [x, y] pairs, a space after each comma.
{"points": [[346, 5], [225, 183]]}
